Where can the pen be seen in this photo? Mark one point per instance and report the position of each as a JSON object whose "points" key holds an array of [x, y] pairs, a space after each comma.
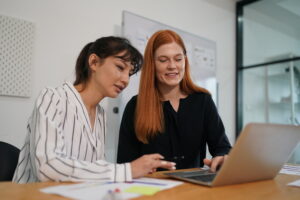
{"points": [[113, 195]]}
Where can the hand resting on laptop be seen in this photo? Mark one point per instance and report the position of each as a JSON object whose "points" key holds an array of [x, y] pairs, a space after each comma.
{"points": [[215, 163]]}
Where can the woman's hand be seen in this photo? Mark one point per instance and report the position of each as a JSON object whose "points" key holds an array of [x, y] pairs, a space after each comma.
{"points": [[148, 164], [215, 162]]}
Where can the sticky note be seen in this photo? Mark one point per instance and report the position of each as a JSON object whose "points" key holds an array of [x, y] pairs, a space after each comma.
{"points": [[144, 190]]}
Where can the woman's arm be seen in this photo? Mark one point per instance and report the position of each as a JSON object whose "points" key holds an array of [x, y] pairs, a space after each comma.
{"points": [[53, 163], [46, 156], [217, 140]]}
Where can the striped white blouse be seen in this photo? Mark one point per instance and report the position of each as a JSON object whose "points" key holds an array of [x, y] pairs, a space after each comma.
{"points": [[61, 145]]}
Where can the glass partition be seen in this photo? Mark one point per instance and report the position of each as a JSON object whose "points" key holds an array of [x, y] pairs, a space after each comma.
{"points": [[271, 28], [271, 94], [268, 63]]}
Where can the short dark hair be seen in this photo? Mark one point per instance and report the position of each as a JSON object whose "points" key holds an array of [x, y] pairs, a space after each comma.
{"points": [[105, 47]]}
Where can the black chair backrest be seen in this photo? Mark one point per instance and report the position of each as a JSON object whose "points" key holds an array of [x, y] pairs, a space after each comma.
{"points": [[9, 156]]}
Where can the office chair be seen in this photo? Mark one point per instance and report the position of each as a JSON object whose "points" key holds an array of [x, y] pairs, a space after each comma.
{"points": [[9, 156]]}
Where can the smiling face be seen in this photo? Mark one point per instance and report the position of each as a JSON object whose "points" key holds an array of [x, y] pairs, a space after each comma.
{"points": [[169, 65], [111, 75]]}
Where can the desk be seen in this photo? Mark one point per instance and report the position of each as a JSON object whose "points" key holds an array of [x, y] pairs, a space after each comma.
{"points": [[270, 189]]}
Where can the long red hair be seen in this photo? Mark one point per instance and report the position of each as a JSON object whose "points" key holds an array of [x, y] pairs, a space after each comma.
{"points": [[149, 117]]}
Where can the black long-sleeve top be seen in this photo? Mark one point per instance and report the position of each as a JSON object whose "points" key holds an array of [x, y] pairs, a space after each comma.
{"points": [[187, 131]]}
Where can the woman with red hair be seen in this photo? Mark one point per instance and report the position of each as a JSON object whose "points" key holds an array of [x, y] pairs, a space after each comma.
{"points": [[171, 115]]}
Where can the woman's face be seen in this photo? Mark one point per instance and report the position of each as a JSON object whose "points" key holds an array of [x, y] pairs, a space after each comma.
{"points": [[169, 65], [112, 75]]}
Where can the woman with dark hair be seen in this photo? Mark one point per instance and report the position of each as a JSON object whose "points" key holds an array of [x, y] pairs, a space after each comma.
{"points": [[171, 115], [66, 131]]}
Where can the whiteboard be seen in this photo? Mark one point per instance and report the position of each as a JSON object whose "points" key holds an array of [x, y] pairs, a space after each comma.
{"points": [[201, 53]]}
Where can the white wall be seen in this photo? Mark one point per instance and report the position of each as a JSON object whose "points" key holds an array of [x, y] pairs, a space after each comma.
{"points": [[63, 27]]}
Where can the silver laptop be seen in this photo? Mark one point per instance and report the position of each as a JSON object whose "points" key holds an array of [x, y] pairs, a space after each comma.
{"points": [[259, 153]]}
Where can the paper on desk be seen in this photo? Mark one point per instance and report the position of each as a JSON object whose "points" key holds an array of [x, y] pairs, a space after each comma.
{"points": [[290, 169], [96, 191], [294, 183]]}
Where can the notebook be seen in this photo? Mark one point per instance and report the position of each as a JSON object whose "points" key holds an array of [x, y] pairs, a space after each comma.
{"points": [[259, 153]]}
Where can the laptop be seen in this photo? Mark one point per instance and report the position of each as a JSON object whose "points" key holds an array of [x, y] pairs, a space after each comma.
{"points": [[259, 153]]}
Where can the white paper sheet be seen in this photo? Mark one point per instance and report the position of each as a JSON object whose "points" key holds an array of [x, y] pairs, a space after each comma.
{"points": [[99, 191], [294, 183], [290, 169]]}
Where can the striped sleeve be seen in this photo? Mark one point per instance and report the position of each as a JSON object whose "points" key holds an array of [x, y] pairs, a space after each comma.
{"points": [[51, 158]]}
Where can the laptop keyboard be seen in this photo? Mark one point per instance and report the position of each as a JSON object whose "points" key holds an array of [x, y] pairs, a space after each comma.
{"points": [[195, 173], [204, 178], [204, 175], [201, 175], [189, 173]]}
